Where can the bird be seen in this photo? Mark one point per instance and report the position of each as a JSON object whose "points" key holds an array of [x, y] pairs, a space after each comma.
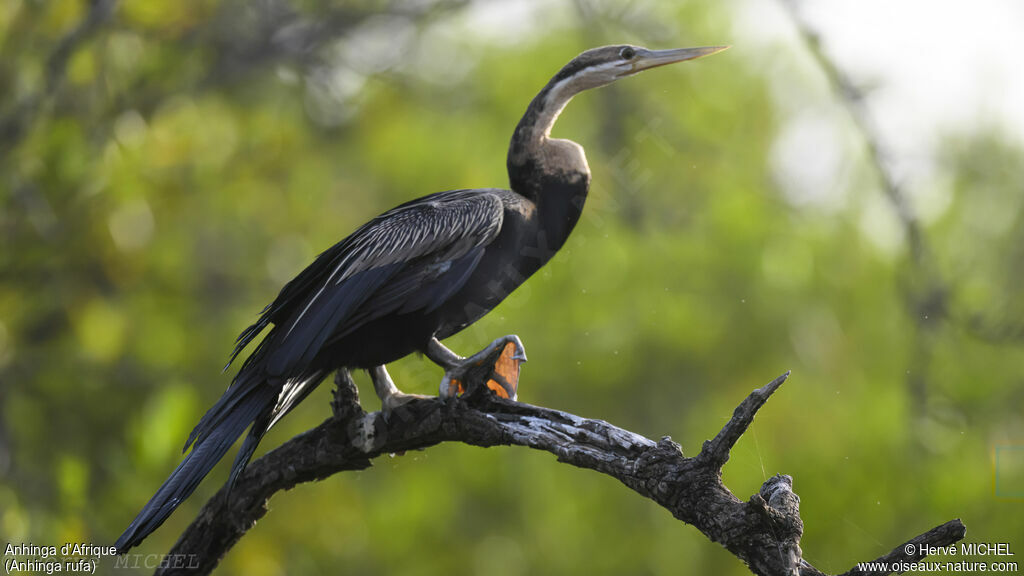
{"points": [[406, 280]]}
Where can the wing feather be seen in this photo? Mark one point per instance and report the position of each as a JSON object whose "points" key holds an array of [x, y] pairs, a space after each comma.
{"points": [[409, 258]]}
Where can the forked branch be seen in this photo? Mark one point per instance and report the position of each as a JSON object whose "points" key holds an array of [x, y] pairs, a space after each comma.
{"points": [[763, 531]]}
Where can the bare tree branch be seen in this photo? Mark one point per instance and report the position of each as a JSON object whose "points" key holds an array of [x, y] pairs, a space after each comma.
{"points": [[853, 99], [14, 126], [716, 451], [764, 531], [926, 292], [938, 537]]}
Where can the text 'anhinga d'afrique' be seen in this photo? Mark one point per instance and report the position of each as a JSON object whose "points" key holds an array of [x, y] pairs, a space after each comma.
{"points": [[406, 280]]}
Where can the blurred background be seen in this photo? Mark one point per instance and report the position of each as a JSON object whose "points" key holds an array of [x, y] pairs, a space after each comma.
{"points": [[839, 194]]}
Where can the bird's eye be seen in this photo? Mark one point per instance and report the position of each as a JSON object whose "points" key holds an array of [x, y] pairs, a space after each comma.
{"points": [[627, 53]]}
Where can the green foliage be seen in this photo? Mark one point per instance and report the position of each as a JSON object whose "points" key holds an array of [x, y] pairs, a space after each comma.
{"points": [[181, 171]]}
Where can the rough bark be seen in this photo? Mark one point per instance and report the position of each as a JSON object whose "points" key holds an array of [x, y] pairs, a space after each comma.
{"points": [[763, 531]]}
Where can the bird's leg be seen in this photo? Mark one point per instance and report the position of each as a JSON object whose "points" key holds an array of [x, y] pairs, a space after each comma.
{"points": [[390, 396], [504, 354]]}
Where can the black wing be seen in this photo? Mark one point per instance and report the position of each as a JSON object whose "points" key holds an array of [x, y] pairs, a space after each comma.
{"points": [[410, 258]]}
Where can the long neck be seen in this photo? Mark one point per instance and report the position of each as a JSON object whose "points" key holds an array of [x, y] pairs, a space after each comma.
{"points": [[535, 160]]}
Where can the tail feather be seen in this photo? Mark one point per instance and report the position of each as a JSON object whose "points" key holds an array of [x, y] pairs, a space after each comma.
{"points": [[256, 404], [245, 384], [245, 452], [293, 392]]}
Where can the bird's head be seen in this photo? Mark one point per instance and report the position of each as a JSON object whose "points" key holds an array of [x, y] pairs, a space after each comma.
{"points": [[601, 66], [591, 69]]}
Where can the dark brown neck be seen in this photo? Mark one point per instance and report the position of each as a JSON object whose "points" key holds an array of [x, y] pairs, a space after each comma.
{"points": [[535, 160]]}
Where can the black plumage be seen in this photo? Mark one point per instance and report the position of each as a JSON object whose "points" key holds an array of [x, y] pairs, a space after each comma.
{"points": [[408, 278]]}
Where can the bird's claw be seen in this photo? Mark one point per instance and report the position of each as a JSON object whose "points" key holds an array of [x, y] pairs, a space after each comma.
{"points": [[501, 358]]}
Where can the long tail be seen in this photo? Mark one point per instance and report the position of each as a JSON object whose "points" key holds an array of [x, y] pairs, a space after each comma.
{"points": [[217, 431], [251, 399]]}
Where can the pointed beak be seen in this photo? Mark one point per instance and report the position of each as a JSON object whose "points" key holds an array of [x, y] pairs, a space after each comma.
{"points": [[647, 59]]}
